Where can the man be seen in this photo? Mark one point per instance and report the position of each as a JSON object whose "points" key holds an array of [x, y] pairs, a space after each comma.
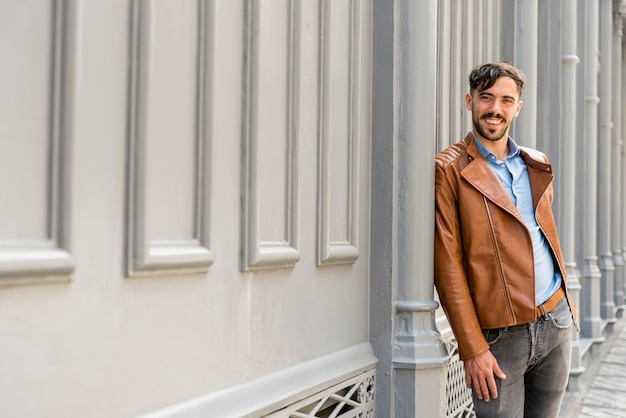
{"points": [[499, 269]]}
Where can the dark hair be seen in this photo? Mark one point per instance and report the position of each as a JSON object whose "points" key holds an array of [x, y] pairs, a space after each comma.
{"points": [[485, 75]]}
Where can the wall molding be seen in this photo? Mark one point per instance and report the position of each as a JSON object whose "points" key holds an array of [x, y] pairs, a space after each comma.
{"points": [[260, 252], [338, 251], [276, 391], [35, 261], [145, 255]]}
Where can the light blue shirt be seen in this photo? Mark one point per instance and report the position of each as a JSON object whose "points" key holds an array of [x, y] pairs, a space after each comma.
{"points": [[513, 175]]}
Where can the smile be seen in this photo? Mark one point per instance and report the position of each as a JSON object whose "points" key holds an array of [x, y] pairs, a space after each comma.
{"points": [[493, 121]]}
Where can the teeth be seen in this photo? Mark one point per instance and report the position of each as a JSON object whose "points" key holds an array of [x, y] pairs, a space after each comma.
{"points": [[492, 121]]}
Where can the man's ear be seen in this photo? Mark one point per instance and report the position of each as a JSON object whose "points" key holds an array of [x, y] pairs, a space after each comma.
{"points": [[468, 101], [519, 107]]}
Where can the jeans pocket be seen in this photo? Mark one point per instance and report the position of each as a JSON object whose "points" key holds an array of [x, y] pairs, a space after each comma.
{"points": [[492, 336], [560, 316]]}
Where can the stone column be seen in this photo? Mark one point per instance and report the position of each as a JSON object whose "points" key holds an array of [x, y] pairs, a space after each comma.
{"points": [[525, 58], [605, 262], [382, 280], [419, 353], [591, 322], [569, 61], [411, 379], [619, 11], [623, 174]]}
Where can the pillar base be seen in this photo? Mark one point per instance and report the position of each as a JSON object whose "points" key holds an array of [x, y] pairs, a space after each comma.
{"points": [[419, 361], [418, 343]]}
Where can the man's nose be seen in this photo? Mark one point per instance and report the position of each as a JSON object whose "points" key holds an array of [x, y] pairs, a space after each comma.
{"points": [[495, 108]]}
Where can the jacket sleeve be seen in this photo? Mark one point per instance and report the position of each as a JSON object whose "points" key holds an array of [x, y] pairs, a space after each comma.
{"points": [[450, 277]]}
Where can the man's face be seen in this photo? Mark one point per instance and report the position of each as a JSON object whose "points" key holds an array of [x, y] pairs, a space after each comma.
{"points": [[494, 109]]}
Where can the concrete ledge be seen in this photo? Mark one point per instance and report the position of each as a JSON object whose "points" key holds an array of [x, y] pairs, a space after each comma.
{"points": [[267, 394]]}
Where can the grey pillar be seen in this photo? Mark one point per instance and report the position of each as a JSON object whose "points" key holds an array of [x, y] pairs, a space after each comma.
{"points": [[623, 174], [591, 323], [619, 12], [420, 355], [605, 261], [411, 380], [526, 29], [382, 282], [569, 61]]}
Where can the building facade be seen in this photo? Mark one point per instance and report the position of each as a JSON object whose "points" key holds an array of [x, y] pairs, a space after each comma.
{"points": [[217, 208]]}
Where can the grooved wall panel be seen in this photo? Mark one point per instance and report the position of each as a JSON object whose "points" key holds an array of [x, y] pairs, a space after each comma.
{"points": [[32, 142], [339, 123], [270, 164], [168, 148]]}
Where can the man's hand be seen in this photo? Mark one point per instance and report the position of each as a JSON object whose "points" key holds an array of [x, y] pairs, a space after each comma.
{"points": [[479, 374]]}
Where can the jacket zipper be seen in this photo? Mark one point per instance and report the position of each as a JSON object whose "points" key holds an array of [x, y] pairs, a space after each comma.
{"points": [[495, 241]]}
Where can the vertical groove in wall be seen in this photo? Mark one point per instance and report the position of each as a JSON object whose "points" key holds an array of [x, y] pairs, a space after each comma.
{"points": [[27, 261], [293, 71], [478, 21], [456, 62], [490, 29], [262, 253], [132, 152], [202, 217], [146, 256], [55, 129], [344, 251], [445, 71], [467, 54]]}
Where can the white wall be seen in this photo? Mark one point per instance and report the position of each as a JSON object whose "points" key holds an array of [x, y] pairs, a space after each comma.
{"points": [[196, 216]]}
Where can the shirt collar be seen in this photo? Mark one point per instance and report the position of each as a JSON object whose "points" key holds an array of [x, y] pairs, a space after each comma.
{"points": [[513, 148]]}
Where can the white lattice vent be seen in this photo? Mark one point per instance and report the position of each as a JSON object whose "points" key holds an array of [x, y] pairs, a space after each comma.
{"points": [[351, 398], [460, 403]]}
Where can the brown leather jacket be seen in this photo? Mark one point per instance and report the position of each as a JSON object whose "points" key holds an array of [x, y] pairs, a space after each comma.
{"points": [[484, 262]]}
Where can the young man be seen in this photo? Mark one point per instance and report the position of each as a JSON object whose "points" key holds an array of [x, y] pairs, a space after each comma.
{"points": [[499, 269]]}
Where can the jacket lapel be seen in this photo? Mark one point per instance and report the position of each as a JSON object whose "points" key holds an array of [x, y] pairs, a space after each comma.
{"points": [[480, 175], [539, 173]]}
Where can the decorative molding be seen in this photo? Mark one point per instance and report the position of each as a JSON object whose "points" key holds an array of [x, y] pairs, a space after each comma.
{"points": [[145, 255], [40, 261], [282, 391], [260, 252], [342, 251], [35, 261]]}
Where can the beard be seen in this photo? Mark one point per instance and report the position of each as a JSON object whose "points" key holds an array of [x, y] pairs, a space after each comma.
{"points": [[495, 133]]}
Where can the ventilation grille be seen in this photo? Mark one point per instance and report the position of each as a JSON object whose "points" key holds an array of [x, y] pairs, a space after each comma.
{"points": [[351, 398], [460, 403]]}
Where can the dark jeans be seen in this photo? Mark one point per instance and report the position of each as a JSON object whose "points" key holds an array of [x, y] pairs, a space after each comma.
{"points": [[535, 359]]}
